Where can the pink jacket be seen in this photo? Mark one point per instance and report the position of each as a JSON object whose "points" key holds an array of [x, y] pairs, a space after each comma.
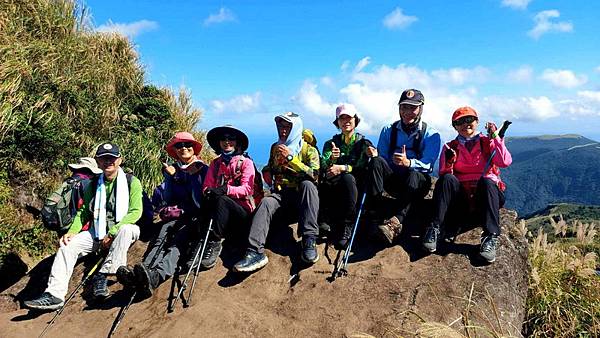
{"points": [[241, 192], [469, 166]]}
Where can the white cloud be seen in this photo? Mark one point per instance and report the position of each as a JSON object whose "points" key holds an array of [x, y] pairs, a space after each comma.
{"points": [[516, 4], [598, 69], [397, 20], [131, 29], [590, 95], [526, 109], [459, 76], [237, 104], [224, 15], [521, 74], [362, 64], [562, 78], [311, 100], [327, 81], [345, 65], [544, 24]]}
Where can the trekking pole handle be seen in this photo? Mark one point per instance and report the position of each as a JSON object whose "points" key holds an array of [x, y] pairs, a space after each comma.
{"points": [[503, 128]]}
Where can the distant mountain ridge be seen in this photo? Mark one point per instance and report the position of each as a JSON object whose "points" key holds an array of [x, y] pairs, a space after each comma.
{"points": [[552, 169]]}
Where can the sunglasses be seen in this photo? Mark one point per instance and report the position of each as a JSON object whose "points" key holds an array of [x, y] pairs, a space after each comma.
{"points": [[228, 137], [180, 145], [463, 120]]}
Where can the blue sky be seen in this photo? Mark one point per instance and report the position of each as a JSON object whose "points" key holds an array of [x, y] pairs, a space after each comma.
{"points": [[534, 62]]}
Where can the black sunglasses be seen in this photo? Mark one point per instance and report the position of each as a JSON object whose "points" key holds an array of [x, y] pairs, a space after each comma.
{"points": [[463, 120], [180, 145], [228, 137]]}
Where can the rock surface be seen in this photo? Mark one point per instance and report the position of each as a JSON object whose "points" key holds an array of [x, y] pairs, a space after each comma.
{"points": [[389, 292]]}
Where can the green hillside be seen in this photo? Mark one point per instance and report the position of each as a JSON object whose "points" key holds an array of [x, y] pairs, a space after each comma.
{"points": [[64, 89]]}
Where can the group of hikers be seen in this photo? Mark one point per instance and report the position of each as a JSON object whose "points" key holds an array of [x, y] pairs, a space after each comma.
{"points": [[200, 205]]}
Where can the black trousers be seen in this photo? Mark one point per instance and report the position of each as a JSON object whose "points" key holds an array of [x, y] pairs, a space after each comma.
{"points": [[172, 243], [338, 198], [452, 205], [227, 216], [407, 186]]}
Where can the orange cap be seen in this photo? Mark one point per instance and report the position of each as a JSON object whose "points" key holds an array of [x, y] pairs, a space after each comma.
{"points": [[462, 112]]}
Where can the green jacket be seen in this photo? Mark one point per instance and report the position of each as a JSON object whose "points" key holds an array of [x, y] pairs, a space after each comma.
{"points": [[353, 154], [305, 165], [85, 213]]}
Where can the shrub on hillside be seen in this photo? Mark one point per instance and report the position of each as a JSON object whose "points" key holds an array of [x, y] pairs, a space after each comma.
{"points": [[564, 291]]}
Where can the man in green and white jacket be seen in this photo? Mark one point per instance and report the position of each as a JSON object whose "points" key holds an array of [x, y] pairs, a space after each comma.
{"points": [[113, 203]]}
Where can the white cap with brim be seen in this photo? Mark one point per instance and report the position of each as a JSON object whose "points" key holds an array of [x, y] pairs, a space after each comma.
{"points": [[86, 163]]}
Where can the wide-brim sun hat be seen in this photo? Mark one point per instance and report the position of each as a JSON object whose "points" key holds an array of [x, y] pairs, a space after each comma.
{"points": [[215, 135], [462, 112], [182, 136], [86, 163]]}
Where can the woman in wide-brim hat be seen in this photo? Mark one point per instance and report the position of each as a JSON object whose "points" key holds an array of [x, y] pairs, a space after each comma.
{"points": [[178, 204], [228, 188], [469, 187]]}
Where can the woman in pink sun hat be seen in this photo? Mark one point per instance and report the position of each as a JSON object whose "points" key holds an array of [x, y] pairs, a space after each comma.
{"points": [[179, 210]]}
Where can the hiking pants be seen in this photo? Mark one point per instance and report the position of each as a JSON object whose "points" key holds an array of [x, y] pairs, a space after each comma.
{"points": [[406, 186], [304, 201], [164, 252], [451, 203], [227, 215], [338, 197], [82, 244]]}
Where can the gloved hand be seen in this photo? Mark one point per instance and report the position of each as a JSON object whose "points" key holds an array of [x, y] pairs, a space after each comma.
{"points": [[218, 191], [450, 155], [492, 130], [170, 213]]}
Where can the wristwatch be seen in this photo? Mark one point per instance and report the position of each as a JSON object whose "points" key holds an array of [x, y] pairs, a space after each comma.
{"points": [[289, 158]]}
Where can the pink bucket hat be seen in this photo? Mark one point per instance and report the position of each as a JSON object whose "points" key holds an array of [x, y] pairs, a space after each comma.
{"points": [[182, 136]]}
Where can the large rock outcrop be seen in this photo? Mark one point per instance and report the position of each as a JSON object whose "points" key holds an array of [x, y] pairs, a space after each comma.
{"points": [[389, 292]]}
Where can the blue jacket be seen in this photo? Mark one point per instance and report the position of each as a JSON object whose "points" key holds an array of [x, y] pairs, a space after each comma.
{"points": [[429, 147]]}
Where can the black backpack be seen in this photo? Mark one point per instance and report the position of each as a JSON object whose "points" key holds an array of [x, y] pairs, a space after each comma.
{"points": [[61, 206], [416, 146]]}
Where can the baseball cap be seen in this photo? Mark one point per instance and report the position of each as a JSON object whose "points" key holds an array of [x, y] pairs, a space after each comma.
{"points": [[108, 149], [413, 97]]}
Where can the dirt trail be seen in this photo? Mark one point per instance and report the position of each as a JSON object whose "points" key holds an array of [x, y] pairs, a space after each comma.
{"points": [[385, 293]]}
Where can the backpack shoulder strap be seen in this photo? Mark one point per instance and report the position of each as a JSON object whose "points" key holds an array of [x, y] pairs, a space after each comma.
{"points": [[393, 139], [418, 140]]}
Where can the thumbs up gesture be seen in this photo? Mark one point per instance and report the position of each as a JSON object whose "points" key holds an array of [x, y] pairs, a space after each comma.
{"points": [[335, 151], [401, 159]]}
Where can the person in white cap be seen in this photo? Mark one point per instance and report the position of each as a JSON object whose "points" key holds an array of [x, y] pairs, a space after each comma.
{"points": [[343, 163], [113, 203]]}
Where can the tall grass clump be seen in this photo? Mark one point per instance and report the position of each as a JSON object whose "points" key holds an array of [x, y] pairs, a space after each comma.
{"points": [[64, 89], [564, 290]]}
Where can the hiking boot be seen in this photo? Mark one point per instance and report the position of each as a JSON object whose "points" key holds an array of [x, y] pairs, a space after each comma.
{"points": [[252, 261], [431, 238], [126, 277], [100, 286], [390, 230], [345, 237], [44, 302], [489, 244], [309, 250], [211, 253], [189, 264], [146, 279]]}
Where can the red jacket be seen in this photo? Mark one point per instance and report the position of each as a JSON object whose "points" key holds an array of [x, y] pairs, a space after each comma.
{"points": [[469, 165], [240, 186]]}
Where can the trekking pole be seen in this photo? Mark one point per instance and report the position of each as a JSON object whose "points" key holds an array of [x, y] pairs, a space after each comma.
{"points": [[340, 268], [124, 308], [501, 133], [199, 255], [85, 279]]}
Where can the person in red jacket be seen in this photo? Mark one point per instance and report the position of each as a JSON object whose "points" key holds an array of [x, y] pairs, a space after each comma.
{"points": [[469, 182]]}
